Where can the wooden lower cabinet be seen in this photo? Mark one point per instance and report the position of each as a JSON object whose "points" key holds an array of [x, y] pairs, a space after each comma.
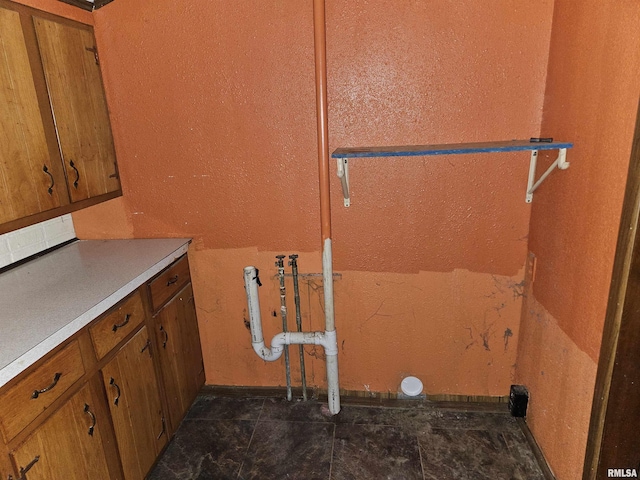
{"points": [[180, 355], [136, 410], [68, 445], [103, 405]]}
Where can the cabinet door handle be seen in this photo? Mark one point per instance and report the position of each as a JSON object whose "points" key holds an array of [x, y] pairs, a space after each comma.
{"points": [[172, 280], [147, 346], [72, 165], [164, 428], [50, 189], [113, 383], [116, 326], [23, 471], [36, 393], [166, 337], [93, 419]]}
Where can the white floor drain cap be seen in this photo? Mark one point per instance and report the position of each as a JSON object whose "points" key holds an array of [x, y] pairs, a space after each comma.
{"points": [[411, 386]]}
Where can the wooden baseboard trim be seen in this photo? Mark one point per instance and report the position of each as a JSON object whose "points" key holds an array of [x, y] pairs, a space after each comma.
{"points": [[357, 397], [239, 391], [544, 466]]}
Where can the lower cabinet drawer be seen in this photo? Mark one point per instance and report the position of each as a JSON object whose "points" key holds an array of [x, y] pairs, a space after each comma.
{"points": [[110, 330], [169, 282], [23, 402]]}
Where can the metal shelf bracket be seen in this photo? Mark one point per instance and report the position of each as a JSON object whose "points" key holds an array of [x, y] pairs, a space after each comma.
{"points": [[561, 163], [343, 175]]}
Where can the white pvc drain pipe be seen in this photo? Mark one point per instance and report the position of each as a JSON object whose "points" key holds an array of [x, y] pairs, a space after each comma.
{"points": [[326, 339]]}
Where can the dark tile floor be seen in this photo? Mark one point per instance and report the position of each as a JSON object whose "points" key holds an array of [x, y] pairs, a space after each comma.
{"points": [[268, 438]]}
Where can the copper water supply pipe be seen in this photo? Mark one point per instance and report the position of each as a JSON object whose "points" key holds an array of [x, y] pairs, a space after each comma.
{"points": [[320, 45]]}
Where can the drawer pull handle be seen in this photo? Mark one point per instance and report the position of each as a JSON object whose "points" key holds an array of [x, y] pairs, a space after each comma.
{"points": [[166, 337], [120, 325], [164, 428], [113, 383], [75, 182], [50, 189], [147, 346], [23, 471], [93, 419], [172, 280], [36, 393]]}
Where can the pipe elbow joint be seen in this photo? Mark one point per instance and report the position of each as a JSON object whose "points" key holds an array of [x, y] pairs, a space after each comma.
{"points": [[267, 354]]}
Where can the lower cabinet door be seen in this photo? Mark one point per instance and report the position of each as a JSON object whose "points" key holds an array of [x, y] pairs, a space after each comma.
{"points": [[134, 402], [180, 353], [68, 445]]}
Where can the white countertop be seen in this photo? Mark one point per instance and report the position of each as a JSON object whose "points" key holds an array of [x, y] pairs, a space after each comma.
{"points": [[47, 300]]}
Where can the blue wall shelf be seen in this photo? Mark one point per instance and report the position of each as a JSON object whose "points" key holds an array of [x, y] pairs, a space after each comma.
{"points": [[344, 154]]}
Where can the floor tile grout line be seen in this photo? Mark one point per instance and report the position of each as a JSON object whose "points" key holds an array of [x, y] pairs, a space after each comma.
{"points": [[251, 439], [333, 444], [274, 420], [420, 453]]}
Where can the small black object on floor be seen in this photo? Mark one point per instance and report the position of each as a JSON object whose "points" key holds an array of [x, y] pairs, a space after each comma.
{"points": [[518, 400], [270, 438]]}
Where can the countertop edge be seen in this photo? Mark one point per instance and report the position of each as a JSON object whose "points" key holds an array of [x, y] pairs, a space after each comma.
{"points": [[29, 358]]}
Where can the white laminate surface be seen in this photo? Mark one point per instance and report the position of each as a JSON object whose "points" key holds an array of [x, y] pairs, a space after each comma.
{"points": [[47, 300]]}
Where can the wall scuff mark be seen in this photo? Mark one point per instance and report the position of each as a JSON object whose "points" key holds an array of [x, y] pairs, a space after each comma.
{"points": [[507, 335]]}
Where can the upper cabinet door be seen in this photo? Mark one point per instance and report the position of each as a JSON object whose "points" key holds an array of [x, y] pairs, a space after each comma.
{"points": [[80, 112], [31, 180]]}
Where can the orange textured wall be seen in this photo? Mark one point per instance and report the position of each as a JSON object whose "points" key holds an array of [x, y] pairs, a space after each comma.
{"points": [[213, 113], [591, 100]]}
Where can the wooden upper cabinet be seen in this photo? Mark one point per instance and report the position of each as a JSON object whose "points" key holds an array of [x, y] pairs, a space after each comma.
{"points": [[72, 72], [56, 148], [32, 178]]}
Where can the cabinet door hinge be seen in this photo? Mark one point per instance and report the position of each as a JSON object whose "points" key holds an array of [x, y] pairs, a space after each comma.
{"points": [[94, 50]]}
